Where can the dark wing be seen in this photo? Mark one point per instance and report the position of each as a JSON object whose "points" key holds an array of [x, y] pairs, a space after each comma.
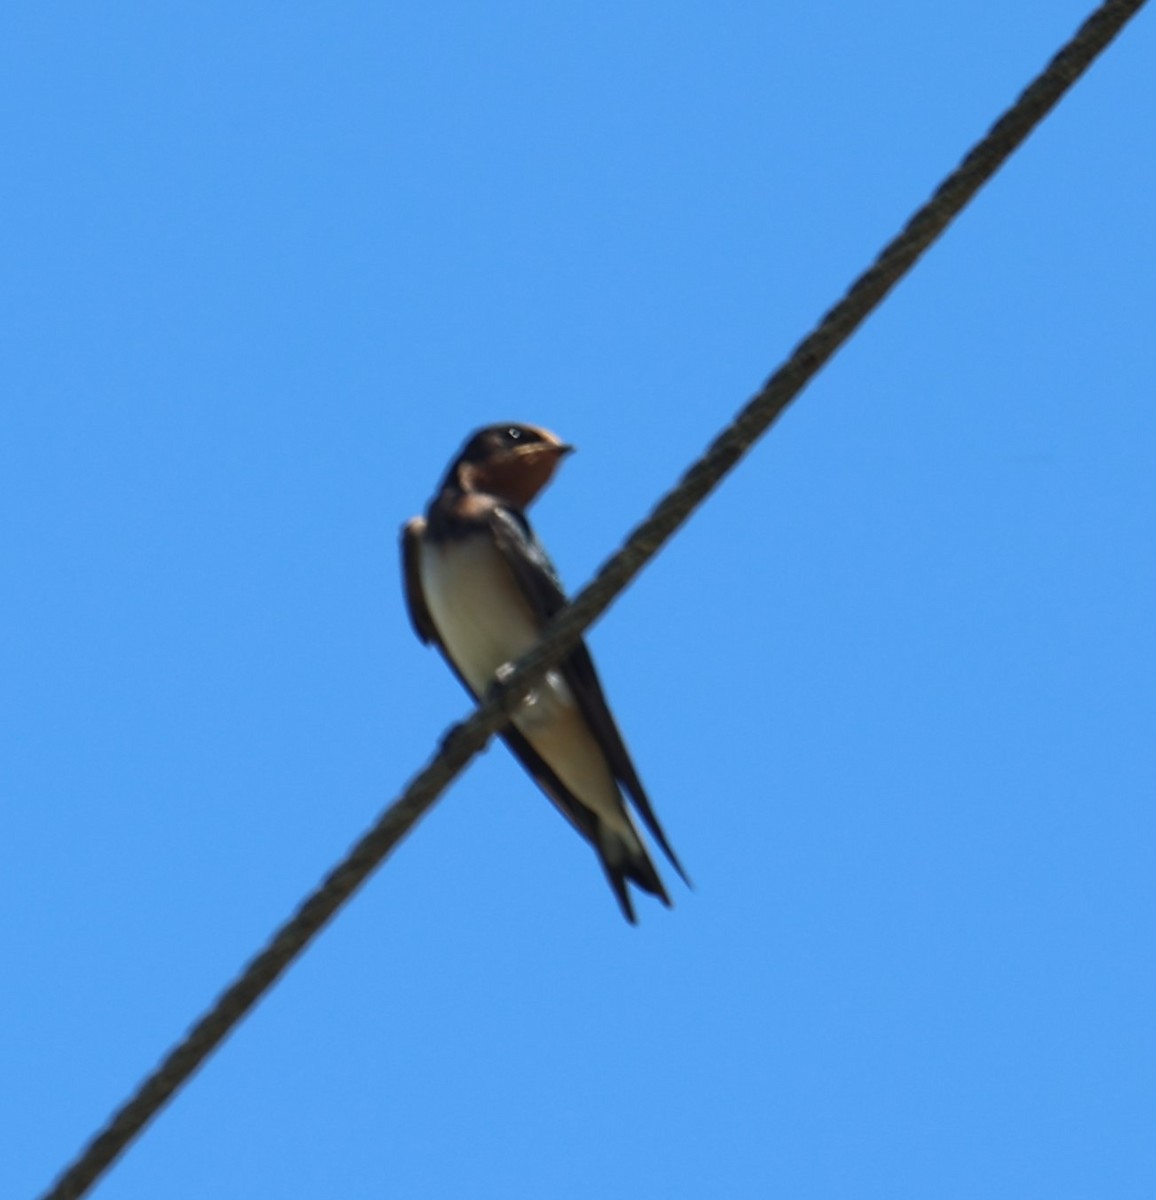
{"points": [[541, 586], [411, 535]]}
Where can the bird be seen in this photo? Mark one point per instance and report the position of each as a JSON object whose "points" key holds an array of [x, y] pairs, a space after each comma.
{"points": [[480, 587]]}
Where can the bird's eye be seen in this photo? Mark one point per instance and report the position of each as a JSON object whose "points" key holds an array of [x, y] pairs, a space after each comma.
{"points": [[513, 434]]}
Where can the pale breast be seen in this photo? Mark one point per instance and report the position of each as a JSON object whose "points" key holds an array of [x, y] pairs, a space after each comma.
{"points": [[474, 601], [484, 621]]}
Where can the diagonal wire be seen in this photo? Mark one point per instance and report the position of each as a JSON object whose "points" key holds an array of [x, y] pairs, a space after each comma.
{"points": [[467, 738]]}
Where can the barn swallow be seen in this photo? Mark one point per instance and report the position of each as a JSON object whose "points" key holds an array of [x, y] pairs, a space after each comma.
{"points": [[481, 588]]}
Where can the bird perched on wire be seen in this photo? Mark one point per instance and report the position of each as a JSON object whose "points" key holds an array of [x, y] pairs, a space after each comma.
{"points": [[481, 588]]}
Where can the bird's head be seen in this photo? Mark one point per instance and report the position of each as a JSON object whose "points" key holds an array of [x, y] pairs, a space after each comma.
{"points": [[512, 462]]}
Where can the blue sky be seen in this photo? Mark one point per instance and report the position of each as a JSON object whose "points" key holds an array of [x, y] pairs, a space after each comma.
{"points": [[892, 690]]}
